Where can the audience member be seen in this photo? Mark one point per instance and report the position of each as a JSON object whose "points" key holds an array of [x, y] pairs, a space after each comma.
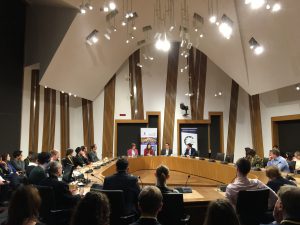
{"points": [[63, 197], [5, 165], [17, 161], [221, 212], [190, 151], [162, 174], [254, 159], [167, 150], [79, 157], [70, 159], [93, 209], [297, 159], [243, 183], [133, 151], [150, 203], [148, 151], [276, 160], [275, 179], [126, 182], [84, 155], [24, 206], [39, 172], [54, 155], [32, 163], [92, 155], [27, 159]]}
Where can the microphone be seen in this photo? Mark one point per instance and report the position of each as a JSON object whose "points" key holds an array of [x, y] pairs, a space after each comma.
{"points": [[187, 180], [139, 177], [93, 175]]}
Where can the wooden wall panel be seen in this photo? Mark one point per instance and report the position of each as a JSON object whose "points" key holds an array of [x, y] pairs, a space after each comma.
{"points": [[88, 122], [171, 91], [136, 87], [34, 111], [64, 123], [198, 78], [232, 117], [108, 118], [256, 130], [49, 119]]}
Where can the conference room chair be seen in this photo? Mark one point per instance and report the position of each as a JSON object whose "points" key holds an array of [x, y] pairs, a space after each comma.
{"points": [[265, 161], [252, 207], [118, 216], [64, 163], [48, 213], [173, 210], [220, 156], [229, 158], [292, 166]]}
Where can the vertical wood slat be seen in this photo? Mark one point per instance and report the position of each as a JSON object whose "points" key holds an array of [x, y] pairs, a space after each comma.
{"points": [[49, 119], [34, 111], [136, 88], [108, 118], [232, 117], [256, 130], [198, 78], [64, 123], [171, 90], [88, 122]]}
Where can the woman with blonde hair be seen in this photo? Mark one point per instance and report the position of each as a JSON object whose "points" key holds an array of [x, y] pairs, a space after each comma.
{"points": [[162, 174]]}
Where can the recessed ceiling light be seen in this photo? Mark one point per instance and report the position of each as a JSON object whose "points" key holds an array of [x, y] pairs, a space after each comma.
{"points": [[298, 87], [112, 6], [256, 4], [213, 19], [276, 7], [258, 50]]}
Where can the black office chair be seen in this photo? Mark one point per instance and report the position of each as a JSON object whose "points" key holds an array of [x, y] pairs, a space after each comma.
{"points": [[292, 166], [48, 213], [229, 158], [220, 156], [252, 207], [265, 161], [118, 214], [173, 210]]}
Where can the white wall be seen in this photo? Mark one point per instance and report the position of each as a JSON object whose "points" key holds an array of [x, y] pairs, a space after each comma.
{"points": [[76, 123], [281, 102], [98, 106]]}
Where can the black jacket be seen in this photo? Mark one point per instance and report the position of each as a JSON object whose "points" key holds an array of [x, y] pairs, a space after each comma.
{"points": [[163, 152], [278, 182], [193, 152], [129, 184], [146, 221]]}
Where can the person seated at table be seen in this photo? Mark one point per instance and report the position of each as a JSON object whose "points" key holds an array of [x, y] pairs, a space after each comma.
{"points": [[27, 159], [32, 163], [70, 159], [132, 152], [5, 165], [190, 151], [78, 160], [150, 203], [148, 151], [126, 182], [64, 199], [39, 172], [162, 174], [276, 160], [297, 159], [17, 161], [92, 209], [84, 155], [219, 212], [254, 159], [241, 182], [275, 179], [92, 155], [167, 150], [54, 155]]}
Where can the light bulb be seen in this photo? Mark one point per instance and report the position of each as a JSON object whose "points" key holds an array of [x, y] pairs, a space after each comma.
{"points": [[276, 7], [258, 50], [226, 30], [213, 19], [256, 4], [112, 6]]}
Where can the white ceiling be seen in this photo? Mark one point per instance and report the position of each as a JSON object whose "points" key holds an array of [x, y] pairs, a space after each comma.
{"points": [[84, 70]]}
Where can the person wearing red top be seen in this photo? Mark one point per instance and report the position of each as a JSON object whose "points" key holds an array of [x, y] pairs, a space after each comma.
{"points": [[133, 151], [148, 151]]}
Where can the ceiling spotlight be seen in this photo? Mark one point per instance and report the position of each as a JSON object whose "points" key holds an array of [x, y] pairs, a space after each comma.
{"points": [[112, 6], [107, 36], [70, 94], [75, 96], [134, 27], [268, 6], [181, 70], [89, 6], [255, 46], [276, 7], [62, 92], [258, 50], [82, 9], [220, 93], [216, 95], [139, 65], [123, 23], [225, 27], [163, 45], [256, 4], [105, 8], [127, 41], [186, 55], [201, 35], [171, 28], [196, 29], [298, 88], [114, 29], [151, 58], [247, 2], [217, 23], [92, 38], [46, 87], [213, 19], [186, 67]]}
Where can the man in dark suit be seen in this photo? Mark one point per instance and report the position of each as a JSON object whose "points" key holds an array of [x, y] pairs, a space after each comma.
{"points": [[150, 203], [39, 172], [190, 151], [64, 199], [166, 151], [126, 182]]}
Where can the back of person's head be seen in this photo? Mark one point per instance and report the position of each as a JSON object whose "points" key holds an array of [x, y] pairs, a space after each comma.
{"points": [[297, 154], [17, 153], [33, 157], [24, 205], [275, 152], [150, 200], [43, 158], [122, 164], [243, 166], [221, 212], [69, 151], [290, 200], [162, 173], [54, 168], [93, 209], [273, 172]]}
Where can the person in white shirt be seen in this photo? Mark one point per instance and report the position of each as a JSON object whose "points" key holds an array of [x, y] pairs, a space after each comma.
{"points": [[297, 159], [243, 183]]}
